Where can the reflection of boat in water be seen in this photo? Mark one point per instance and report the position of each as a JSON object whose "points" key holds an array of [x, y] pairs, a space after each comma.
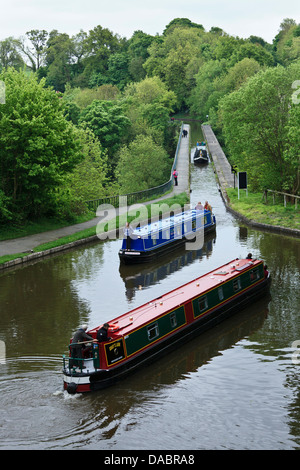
{"points": [[145, 243], [145, 275], [153, 329], [201, 154]]}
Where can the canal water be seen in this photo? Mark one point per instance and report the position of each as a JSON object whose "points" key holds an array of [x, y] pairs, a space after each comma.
{"points": [[234, 387]]}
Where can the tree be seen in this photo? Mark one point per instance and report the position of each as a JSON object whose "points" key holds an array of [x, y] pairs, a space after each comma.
{"points": [[257, 127], [286, 43], [170, 60], [9, 54], [142, 165], [181, 23], [109, 123], [36, 52], [58, 60], [138, 53], [89, 178], [37, 145], [149, 104], [100, 44], [237, 75], [205, 94], [118, 70], [253, 51]]}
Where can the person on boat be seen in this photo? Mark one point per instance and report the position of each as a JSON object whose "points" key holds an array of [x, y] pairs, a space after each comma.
{"points": [[207, 206], [266, 271], [249, 256], [175, 174], [78, 345], [128, 230], [102, 333], [199, 207]]}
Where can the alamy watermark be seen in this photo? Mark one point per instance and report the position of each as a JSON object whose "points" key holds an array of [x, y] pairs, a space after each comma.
{"points": [[296, 353], [2, 353], [107, 226], [2, 92], [296, 86]]}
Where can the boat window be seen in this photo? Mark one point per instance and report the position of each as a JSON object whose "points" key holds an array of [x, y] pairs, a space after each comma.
{"points": [[154, 239], [203, 303], [152, 331], [236, 284], [254, 275], [173, 320], [221, 293], [167, 235], [178, 230]]}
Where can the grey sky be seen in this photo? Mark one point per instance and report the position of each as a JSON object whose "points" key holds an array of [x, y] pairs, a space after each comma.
{"points": [[236, 17]]}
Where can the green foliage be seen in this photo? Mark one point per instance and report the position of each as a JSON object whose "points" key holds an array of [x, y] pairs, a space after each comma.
{"points": [[108, 122], [257, 122], [37, 145], [83, 97], [142, 165], [171, 59], [89, 178], [149, 105], [122, 91]]}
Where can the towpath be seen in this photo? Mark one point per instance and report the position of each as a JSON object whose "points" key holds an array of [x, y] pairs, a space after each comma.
{"points": [[28, 243], [222, 166]]}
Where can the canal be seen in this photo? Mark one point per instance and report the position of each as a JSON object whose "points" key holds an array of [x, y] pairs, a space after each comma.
{"points": [[234, 387]]}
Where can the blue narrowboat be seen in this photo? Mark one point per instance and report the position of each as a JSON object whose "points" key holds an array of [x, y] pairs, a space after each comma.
{"points": [[145, 243]]}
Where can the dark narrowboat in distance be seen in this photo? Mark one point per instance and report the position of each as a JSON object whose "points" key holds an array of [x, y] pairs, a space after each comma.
{"points": [[155, 328], [149, 241], [201, 154]]}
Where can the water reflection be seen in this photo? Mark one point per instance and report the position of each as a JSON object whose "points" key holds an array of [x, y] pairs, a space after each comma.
{"points": [[145, 275]]}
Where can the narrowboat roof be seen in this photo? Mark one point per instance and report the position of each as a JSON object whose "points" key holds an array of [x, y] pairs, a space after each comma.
{"points": [[148, 312], [162, 224]]}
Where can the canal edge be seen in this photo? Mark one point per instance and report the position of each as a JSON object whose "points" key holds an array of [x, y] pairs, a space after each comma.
{"points": [[221, 170]]}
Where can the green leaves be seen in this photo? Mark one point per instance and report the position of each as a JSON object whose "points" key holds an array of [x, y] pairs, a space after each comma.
{"points": [[108, 122], [37, 144], [142, 165], [261, 129]]}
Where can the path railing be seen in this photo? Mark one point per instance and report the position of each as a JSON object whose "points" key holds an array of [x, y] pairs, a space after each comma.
{"points": [[138, 196], [285, 195]]}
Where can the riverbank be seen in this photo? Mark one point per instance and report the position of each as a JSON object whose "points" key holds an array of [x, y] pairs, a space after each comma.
{"points": [[225, 178], [25, 249]]}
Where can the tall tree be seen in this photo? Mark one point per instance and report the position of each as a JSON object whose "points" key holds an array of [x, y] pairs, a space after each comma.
{"points": [[9, 54], [109, 123], [142, 165], [35, 51], [256, 123], [37, 145]]}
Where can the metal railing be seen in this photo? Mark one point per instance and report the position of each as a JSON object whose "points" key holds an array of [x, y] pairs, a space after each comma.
{"points": [[138, 196], [285, 195]]}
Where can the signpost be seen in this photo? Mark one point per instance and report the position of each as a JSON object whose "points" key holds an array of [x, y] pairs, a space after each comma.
{"points": [[242, 182]]}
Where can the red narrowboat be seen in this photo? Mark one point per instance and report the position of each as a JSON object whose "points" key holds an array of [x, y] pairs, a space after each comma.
{"points": [[145, 333]]}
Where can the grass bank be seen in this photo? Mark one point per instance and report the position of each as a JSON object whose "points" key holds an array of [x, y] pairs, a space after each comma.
{"points": [[39, 226], [254, 207], [149, 210]]}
